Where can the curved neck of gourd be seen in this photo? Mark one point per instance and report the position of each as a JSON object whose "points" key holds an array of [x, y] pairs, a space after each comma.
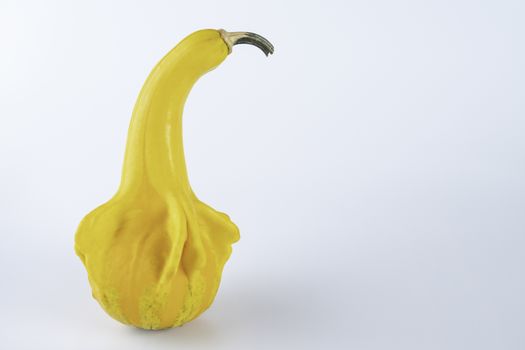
{"points": [[155, 153]]}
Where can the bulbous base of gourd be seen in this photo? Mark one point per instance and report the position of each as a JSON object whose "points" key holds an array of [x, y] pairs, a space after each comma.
{"points": [[155, 263]]}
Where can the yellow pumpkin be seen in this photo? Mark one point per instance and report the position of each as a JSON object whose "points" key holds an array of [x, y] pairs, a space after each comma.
{"points": [[154, 252]]}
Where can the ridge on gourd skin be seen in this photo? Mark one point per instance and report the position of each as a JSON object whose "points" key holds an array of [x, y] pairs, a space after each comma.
{"points": [[154, 253]]}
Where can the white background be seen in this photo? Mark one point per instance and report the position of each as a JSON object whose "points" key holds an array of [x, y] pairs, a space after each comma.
{"points": [[375, 166]]}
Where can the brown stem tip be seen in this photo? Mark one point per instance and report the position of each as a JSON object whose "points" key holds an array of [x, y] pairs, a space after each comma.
{"points": [[235, 38]]}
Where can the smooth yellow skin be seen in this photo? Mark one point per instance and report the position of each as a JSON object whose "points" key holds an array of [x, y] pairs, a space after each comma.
{"points": [[154, 253]]}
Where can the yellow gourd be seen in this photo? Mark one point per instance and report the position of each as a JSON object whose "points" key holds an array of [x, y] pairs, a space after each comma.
{"points": [[154, 253]]}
